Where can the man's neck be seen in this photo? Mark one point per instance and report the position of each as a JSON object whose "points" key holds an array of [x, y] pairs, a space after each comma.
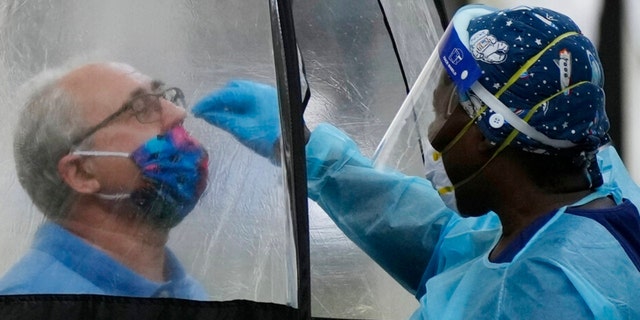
{"points": [[128, 240]]}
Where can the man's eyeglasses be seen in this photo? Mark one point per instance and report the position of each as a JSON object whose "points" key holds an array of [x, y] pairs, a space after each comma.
{"points": [[146, 108]]}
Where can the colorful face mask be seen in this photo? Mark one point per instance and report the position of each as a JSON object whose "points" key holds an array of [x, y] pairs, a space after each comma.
{"points": [[175, 167]]}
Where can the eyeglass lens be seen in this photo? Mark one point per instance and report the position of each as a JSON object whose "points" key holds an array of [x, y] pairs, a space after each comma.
{"points": [[174, 95], [147, 108]]}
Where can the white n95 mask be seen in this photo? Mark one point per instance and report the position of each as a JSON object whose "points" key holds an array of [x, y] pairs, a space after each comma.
{"points": [[436, 174]]}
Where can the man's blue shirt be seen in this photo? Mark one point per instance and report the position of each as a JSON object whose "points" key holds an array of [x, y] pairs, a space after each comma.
{"points": [[60, 262]]}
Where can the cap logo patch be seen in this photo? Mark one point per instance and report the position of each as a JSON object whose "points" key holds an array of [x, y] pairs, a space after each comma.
{"points": [[486, 47]]}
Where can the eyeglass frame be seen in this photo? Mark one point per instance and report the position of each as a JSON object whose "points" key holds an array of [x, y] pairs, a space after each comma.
{"points": [[178, 100]]}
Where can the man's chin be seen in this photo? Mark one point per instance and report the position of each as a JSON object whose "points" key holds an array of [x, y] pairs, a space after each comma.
{"points": [[163, 221], [166, 216]]}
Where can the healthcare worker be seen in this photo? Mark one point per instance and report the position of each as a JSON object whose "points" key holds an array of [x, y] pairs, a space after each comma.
{"points": [[541, 227]]}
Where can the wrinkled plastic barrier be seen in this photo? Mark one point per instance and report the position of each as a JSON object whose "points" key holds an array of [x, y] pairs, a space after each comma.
{"points": [[356, 83], [238, 240]]}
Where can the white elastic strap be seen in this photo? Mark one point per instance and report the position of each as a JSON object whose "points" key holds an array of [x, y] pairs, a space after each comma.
{"points": [[101, 154], [496, 105], [114, 197], [117, 196]]}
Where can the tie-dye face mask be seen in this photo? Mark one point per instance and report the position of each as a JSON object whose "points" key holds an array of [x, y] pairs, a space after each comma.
{"points": [[175, 167]]}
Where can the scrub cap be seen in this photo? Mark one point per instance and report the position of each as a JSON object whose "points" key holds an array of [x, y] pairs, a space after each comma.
{"points": [[540, 66]]}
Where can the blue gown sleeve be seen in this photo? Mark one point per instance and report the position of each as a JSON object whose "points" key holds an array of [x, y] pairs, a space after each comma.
{"points": [[396, 219]]}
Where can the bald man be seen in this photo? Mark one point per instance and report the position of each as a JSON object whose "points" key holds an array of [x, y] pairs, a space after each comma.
{"points": [[96, 150]]}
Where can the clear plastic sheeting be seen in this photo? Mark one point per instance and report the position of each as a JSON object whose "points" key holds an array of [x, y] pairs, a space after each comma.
{"points": [[416, 30], [357, 84], [406, 140], [237, 242]]}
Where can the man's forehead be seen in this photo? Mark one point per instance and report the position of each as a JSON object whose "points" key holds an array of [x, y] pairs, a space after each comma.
{"points": [[128, 70], [101, 78], [101, 74], [101, 88]]}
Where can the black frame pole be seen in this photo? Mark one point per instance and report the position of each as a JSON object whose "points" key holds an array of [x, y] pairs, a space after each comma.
{"points": [[285, 52]]}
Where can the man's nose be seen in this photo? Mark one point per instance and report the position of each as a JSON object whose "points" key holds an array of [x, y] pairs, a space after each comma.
{"points": [[172, 114]]}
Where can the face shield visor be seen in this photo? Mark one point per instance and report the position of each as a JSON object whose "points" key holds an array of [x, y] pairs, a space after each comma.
{"points": [[456, 71], [439, 90], [442, 86]]}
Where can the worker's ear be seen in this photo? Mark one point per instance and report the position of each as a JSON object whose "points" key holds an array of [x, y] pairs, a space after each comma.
{"points": [[76, 172]]}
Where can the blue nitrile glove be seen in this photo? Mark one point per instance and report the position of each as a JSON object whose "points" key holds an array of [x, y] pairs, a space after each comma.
{"points": [[246, 109]]}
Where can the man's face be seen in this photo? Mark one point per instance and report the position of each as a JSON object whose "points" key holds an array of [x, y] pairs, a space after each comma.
{"points": [[102, 89]]}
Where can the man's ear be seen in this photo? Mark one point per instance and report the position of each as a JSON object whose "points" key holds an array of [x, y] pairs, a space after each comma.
{"points": [[76, 173]]}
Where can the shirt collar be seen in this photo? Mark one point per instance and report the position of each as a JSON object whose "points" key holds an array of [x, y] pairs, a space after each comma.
{"points": [[102, 270]]}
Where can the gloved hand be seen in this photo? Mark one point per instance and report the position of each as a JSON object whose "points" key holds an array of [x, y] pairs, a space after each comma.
{"points": [[248, 110]]}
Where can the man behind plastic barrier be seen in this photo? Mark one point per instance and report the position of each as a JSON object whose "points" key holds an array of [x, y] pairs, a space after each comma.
{"points": [[102, 152], [519, 120]]}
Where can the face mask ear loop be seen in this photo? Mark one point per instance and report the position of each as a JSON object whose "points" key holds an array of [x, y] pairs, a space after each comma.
{"points": [[463, 131], [438, 155], [502, 146], [493, 156], [91, 153], [113, 197]]}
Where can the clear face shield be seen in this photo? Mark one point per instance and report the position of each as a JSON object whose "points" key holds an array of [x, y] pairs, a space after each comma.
{"points": [[441, 87], [439, 91], [457, 72]]}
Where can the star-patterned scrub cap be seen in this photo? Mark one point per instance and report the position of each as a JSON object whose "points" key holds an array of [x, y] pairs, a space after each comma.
{"points": [[539, 65]]}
